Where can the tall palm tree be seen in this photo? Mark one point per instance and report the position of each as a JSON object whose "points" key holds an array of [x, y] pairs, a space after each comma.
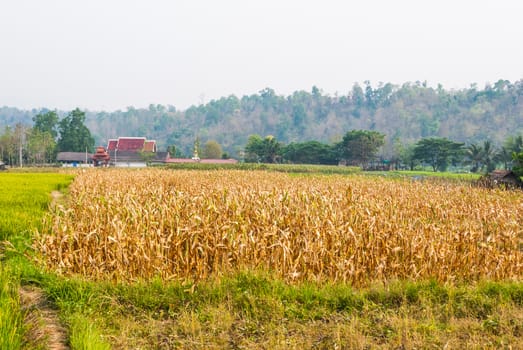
{"points": [[474, 155], [488, 154], [504, 155]]}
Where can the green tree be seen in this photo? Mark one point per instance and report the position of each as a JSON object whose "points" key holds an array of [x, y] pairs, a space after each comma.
{"points": [[437, 152], [41, 147], [480, 157], [517, 159], [474, 157], [407, 157], [357, 95], [253, 149], [359, 147], [264, 150], [311, 152], [175, 152], [46, 122], [19, 144], [299, 116], [488, 156], [514, 143], [212, 150], [74, 135], [8, 146], [268, 98], [147, 156], [504, 155], [404, 155]]}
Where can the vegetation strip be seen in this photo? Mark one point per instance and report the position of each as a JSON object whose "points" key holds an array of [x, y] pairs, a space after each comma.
{"points": [[252, 309], [24, 200]]}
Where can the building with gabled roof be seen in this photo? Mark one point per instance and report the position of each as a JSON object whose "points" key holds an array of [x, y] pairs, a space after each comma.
{"points": [[501, 178], [507, 178], [111, 145], [133, 144], [149, 146], [74, 158], [133, 151]]}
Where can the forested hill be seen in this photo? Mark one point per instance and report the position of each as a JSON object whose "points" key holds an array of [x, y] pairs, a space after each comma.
{"points": [[405, 113]]}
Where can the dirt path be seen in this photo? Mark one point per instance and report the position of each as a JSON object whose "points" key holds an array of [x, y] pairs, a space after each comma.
{"points": [[42, 322], [56, 198], [41, 319]]}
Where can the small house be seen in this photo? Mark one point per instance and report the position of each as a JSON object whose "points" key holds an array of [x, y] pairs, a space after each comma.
{"points": [[501, 178], [74, 159], [506, 177]]}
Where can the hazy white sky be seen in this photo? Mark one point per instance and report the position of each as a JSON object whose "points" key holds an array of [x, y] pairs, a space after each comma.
{"points": [[110, 54]]}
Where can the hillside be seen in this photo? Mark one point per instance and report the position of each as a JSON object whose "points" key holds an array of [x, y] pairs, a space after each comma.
{"points": [[406, 113]]}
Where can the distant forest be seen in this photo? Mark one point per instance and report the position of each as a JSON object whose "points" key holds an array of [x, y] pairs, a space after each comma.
{"points": [[405, 114]]}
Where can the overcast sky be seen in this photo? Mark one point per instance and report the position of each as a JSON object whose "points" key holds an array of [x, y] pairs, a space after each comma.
{"points": [[110, 54]]}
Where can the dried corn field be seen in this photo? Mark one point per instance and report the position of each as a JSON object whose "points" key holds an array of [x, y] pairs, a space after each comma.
{"points": [[126, 225]]}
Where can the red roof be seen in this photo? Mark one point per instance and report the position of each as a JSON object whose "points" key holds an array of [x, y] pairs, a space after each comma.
{"points": [[130, 143], [149, 146], [113, 143]]}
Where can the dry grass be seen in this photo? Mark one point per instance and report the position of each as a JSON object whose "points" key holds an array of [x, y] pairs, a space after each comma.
{"points": [[41, 320], [128, 225], [405, 327]]}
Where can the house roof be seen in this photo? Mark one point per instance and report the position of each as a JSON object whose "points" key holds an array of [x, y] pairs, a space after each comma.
{"points": [[132, 144], [501, 174], [161, 156], [506, 177], [112, 144], [150, 146], [73, 156]]}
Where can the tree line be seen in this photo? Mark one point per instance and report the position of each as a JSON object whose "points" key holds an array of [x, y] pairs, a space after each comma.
{"points": [[362, 148], [408, 113], [405, 113], [49, 134], [40, 143]]}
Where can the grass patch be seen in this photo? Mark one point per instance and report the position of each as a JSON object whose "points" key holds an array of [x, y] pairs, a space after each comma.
{"points": [[11, 325], [23, 201], [85, 335], [418, 175], [255, 310]]}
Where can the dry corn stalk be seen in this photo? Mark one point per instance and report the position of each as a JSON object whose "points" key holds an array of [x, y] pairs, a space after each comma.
{"points": [[126, 225]]}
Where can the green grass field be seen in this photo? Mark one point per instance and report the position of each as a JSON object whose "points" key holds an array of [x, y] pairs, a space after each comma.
{"points": [[24, 200], [242, 310]]}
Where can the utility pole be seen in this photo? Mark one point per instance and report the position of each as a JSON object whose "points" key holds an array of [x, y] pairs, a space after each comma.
{"points": [[21, 136], [20, 150]]}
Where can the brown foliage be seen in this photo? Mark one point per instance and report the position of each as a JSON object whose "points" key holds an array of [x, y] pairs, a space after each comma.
{"points": [[127, 225]]}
